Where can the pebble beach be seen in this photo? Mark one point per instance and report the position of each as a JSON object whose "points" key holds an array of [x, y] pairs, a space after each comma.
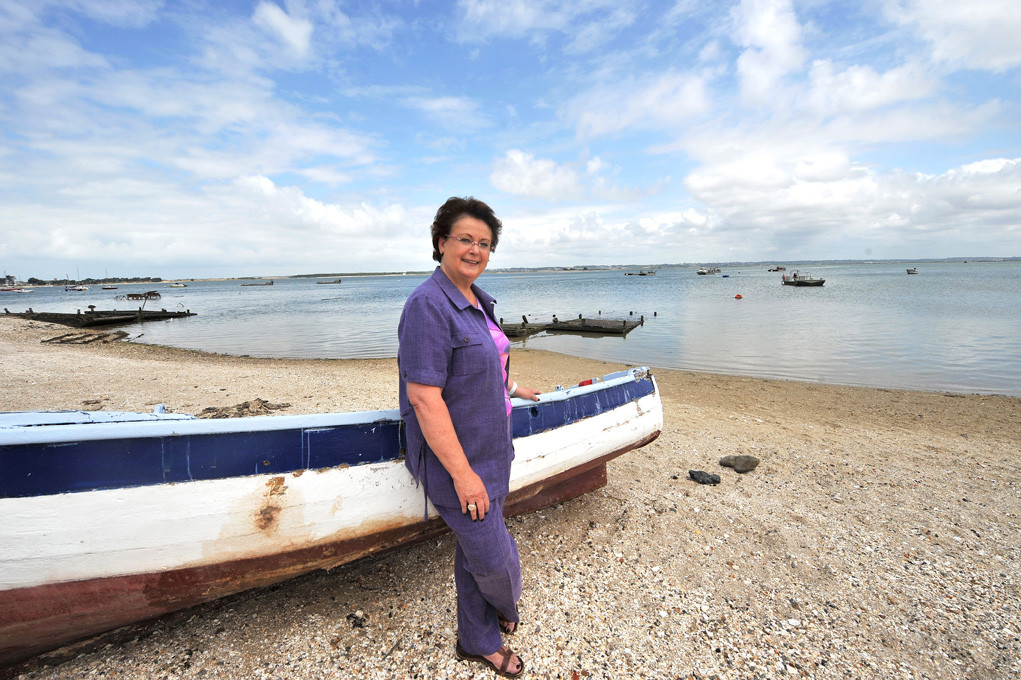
{"points": [[879, 537]]}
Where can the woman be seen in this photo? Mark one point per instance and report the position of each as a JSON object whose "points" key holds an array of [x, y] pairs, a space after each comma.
{"points": [[455, 401]]}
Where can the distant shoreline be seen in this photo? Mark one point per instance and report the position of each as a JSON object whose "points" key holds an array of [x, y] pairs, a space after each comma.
{"points": [[560, 269]]}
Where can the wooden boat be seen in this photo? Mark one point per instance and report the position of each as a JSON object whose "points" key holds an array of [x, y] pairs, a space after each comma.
{"points": [[112, 518], [100, 317], [796, 278], [148, 295], [912, 270], [333, 281], [585, 326]]}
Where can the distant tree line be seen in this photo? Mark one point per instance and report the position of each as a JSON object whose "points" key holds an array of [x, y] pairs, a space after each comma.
{"points": [[32, 281]]}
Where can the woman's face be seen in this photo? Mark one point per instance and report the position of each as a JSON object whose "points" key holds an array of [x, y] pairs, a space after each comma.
{"points": [[465, 264]]}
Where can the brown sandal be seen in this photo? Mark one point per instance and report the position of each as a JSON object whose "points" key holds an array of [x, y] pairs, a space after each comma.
{"points": [[507, 627], [504, 652]]}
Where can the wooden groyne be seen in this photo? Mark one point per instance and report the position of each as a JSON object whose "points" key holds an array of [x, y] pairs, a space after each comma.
{"points": [[96, 317], [581, 325], [601, 326]]}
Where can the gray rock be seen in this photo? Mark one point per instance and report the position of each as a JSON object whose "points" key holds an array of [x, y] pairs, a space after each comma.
{"points": [[740, 463], [703, 477]]}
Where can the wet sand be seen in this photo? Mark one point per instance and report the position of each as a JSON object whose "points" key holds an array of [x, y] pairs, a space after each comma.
{"points": [[879, 536]]}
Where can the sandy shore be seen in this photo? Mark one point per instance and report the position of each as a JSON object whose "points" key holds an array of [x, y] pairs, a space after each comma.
{"points": [[879, 538]]}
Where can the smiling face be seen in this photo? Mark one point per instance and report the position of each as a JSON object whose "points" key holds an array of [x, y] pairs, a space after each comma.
{"points": [[463, 265]]}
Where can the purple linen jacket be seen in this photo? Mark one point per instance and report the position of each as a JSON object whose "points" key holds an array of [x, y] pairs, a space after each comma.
{"points": [[445, 342]]}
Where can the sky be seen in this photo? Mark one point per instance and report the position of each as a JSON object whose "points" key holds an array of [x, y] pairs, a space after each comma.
{"points": [[275, 137]]}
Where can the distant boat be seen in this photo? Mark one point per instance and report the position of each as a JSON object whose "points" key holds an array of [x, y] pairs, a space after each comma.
{"points": [[641, 272], [77, 287], [112, 518], [703, 271], [109, 287], [16, 290], [798, 279], [778, 268], [912, 270], [333, 281], [269, 283], [179, 285]]}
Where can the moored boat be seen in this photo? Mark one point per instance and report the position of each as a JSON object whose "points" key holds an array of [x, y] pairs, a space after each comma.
{"points": [[796, 278], [122, 516], [912, 270]]}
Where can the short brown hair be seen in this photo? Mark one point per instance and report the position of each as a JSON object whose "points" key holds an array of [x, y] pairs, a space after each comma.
{"points": [[454, 209]]}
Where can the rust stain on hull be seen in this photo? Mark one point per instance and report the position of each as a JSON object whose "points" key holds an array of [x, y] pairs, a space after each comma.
{"points": [[266, 517], [41, 618]]}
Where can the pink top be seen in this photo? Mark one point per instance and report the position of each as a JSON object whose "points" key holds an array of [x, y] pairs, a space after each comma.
{"points": [[503, 347]]}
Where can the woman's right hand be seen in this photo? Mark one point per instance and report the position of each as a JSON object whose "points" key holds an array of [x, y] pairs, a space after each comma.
{"points": [[472, 494]]}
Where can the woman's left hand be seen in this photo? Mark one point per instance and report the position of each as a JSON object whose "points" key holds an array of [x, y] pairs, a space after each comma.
{"points": [[523, 392]]}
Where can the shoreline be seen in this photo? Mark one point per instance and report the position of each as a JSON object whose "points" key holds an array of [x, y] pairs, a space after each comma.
{"points": [[879, 537]]}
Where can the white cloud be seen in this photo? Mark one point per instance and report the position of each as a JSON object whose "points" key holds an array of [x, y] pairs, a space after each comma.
{"points": [[860, 88], [981, 34], [588, 23], [660, 102], [815, 198], [294, 33], [771, 35], [127, 13], [453, 113], [521, 174], [934, 121]]}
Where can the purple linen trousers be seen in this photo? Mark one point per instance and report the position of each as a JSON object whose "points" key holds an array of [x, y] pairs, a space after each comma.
{"points": [[487, 573]]}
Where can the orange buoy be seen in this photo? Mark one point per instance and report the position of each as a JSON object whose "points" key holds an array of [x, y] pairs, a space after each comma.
{"points": [[738, 296]]}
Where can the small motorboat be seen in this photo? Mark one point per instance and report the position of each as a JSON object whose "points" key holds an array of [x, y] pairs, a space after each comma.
{"points": [[797, 278]]}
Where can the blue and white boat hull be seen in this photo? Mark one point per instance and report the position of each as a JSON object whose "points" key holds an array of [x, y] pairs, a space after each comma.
{"points": [[114, 522]]}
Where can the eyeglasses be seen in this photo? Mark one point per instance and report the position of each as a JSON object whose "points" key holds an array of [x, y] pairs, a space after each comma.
{"points": [[484, 246]]}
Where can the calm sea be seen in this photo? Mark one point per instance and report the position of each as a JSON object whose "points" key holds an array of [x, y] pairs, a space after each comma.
{"points": [[953, 326]]}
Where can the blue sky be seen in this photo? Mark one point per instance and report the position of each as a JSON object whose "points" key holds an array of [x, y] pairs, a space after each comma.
{"points": [[189, 139]]}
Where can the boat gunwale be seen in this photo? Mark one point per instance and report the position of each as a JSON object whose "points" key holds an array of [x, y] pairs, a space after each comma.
{"points": [[24, 434]]}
